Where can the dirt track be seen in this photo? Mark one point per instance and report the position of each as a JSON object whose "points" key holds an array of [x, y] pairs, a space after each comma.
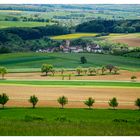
{"points": [[19, 95]]}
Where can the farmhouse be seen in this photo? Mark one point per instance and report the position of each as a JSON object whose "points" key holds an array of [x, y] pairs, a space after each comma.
{"points": [[66, 48]]}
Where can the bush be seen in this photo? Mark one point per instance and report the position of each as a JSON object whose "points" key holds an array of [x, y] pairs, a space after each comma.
{"points": [[29, 118]]}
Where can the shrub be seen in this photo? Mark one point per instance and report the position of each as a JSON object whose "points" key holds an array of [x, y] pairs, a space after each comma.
{"points": [[133, 78]]}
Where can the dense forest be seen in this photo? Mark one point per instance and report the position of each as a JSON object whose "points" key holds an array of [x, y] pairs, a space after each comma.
{"points": [[29, 39], [110, 26]]}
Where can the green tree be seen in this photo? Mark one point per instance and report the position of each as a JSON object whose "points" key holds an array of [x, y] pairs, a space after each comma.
{"points": [[79, 70], [103, 70], [3, 71], [83, 60], [89, 102], [62, 101], [113, 102], [3, 99], [137, 103], [91, 70], [33, 100], [115, 69], [110, 67], [46, 68]]}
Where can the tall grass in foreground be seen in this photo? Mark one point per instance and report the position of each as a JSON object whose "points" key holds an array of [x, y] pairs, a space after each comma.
{"points": [[64, 122]]}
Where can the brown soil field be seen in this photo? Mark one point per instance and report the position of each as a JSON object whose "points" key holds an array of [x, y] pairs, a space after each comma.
{"points": [[132, 42], [123, 76], [19, 96]]}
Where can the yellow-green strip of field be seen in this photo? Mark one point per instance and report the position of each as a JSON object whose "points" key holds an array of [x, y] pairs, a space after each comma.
{"points": [[74, 36]]}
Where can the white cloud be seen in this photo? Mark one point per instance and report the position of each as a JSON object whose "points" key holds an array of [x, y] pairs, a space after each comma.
{"points": [[69, 1]]}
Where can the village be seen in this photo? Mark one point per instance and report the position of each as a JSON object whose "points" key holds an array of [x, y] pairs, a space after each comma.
{"points": [[66, 47]]}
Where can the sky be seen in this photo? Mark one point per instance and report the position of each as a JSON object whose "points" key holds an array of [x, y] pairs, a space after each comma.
{"points": [[69, 1]]}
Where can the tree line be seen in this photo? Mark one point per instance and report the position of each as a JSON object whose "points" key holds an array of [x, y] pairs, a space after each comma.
{"points": [[64, 100], [110, 26]]}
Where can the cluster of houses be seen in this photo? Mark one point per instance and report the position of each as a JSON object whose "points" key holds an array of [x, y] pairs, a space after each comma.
{"points": [[67, 48]]}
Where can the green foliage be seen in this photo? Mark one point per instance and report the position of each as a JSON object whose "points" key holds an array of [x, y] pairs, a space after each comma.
{"points": [[113, 102], [89, 102], [3, 71], [3, 99], [62, 101], [83, 60], [137, 103], [46, 68], [33, 100], [91, 70], [79, 70]]}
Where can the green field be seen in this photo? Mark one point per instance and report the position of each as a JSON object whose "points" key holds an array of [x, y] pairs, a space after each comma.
{"points": [[33, 61], [71, 83], [6, 24], [64, 122]]}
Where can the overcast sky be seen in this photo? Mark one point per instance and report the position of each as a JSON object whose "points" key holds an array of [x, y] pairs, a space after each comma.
{"points": [[69, 1]]}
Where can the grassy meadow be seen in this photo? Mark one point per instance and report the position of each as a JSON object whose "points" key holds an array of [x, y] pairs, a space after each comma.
{"points": [[19, 62], [66, 122], [71, 83]]}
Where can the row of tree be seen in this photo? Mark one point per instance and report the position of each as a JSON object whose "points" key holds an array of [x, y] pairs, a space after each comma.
{"points": [[64, 100], [46, 68]]}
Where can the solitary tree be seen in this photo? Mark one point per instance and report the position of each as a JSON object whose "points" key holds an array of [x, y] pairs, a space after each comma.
{"points": [[33, 100], [137, 103], [3, 99], [83, 60], [3, 71], [62, 101], [46, 68], [89, 102], [79, 70], [113, 102]]}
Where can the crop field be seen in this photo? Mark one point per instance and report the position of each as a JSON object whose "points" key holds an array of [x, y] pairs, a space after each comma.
{"points": [[33, 61], [6, 24], [133, 40], [66, 122], [74, 36]]}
